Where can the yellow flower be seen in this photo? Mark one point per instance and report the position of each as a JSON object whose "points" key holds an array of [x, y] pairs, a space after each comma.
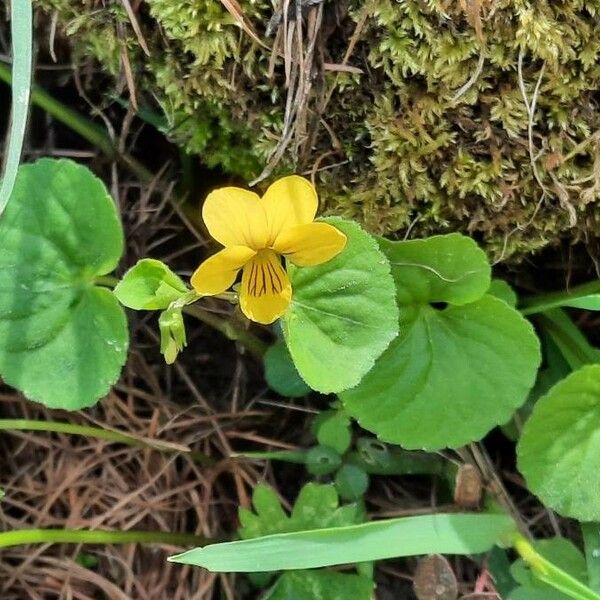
{"points": [[255, 232]]}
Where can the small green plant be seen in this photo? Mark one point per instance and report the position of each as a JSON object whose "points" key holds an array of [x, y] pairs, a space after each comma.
{"points": [[421, 347]]}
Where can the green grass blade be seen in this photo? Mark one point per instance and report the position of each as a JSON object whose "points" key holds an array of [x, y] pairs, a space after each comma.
{"points": [[22, 39], [409, 536], [591, 541]]}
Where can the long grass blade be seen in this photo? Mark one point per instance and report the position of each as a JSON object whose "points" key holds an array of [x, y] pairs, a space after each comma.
{"points": [[408, 536], [22, 39]]}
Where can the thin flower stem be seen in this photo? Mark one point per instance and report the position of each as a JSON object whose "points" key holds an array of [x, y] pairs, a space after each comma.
{"points": [[19, 537], [252, 343], [98, 433], [107, 281], [550, 574]]}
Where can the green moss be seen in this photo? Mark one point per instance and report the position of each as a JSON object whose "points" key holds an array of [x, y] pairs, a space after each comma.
{"points": [[399, 149]]}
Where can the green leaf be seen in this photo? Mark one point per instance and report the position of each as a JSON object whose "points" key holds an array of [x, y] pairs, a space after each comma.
{"points": [[317, 506], [321, 585], [149, 285], [555, 368], [573, 345], [499, 567], [343, 314], [64, 340], [332, 429], [269, 516], [322, 460], [591, 540], [444, 268], [502, 290], [462, 363], [560, 552], [281, 374], [22, 52], [351, 482], [408, 536], [377, 458], [585, 296], [560, 444]]}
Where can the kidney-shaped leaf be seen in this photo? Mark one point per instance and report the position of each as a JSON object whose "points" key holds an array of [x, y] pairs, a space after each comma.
{"points": [[343, 313], [63, 340], [560, 445], [457, 369]]}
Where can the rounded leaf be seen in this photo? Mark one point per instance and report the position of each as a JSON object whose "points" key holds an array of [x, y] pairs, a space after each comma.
{"points": [[64, 340], [560, 445], [332, 428], [351, 482], [322, 460], [281, 374], [449, 377], [343, 313], [149, 285]]}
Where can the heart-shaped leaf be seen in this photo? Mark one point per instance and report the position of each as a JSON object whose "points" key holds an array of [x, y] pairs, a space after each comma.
{"points": [[343, 313], [560, 444], [64, 340], [462, 363]]}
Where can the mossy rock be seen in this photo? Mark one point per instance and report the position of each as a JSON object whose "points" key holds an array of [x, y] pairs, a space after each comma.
{"points": [[433, 135]]}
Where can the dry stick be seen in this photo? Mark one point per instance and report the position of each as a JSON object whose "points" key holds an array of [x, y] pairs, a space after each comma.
{"points": [[533, 159], [136, 26], [471, 82], [531, 114], [302, 90]]}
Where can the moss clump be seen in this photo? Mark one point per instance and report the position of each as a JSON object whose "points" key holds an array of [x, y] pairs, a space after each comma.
{"points": [[435, 133]]}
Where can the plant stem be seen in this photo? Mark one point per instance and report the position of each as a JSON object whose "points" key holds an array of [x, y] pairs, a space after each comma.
{"points": [[231, 331], [98, 433], [87, 129], [550, 574], [543, 302], [20, 537], [107, 281]]}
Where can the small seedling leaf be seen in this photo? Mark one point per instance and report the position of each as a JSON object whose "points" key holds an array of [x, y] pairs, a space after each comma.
{"points": [[149, 285]]}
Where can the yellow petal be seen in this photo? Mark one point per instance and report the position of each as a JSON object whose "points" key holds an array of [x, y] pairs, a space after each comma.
{"points": [[312, 244], [218, 273], [266, 290], [236, 217], [288, 202]]}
